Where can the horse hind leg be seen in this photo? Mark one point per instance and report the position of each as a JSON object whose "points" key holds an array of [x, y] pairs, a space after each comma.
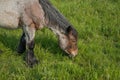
{"points": [[22, 45], [29, 36]]}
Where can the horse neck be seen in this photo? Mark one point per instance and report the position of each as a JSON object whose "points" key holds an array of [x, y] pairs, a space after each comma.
{"points": [[56, 29], [54, 19]]}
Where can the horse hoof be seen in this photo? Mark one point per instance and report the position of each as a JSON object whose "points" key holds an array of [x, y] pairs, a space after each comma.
{"points": [[32, 62], [20, 50]]}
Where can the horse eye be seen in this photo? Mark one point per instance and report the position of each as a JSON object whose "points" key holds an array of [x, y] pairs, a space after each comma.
{"points": [[64, 37], [70, 47], [73, 40], [72, 33]]}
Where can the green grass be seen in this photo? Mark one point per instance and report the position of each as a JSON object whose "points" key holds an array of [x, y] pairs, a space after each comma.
{"points": [[98, 26]]}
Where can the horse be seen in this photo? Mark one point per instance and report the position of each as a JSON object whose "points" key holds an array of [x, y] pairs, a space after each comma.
{"points": [[33, 15]]}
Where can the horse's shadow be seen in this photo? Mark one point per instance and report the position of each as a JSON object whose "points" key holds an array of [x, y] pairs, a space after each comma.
{"points": [[12, 41], [9, 41], [49, 44]]}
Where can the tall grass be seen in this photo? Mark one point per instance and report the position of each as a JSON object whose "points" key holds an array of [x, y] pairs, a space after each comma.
{"points": [[98, 26]]}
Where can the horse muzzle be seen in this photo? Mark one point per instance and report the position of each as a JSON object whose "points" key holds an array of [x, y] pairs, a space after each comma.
{"points": [[72, 53]]}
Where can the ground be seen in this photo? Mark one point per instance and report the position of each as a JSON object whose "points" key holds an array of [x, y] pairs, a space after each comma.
{"points": [[98, 26]]}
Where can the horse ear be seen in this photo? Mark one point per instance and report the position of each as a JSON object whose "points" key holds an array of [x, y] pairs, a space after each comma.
{"points": [[71, 32], [69, 29]]}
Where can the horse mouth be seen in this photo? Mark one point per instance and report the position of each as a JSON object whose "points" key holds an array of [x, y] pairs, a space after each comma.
{"points": [[69, 54]]}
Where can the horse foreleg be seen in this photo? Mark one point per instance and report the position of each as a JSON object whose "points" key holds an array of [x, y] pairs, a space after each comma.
{"points": [[30, 34], [30, 57], [22, 44]]}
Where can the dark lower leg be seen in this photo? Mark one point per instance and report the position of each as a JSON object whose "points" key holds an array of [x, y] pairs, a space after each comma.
{"points": [[22, 44], [31, 59]]}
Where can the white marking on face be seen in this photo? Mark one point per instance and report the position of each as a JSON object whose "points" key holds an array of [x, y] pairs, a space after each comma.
{"points": [[63, 41]]}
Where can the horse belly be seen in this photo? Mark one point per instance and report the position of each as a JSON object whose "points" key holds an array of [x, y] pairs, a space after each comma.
{"points": [[7, 21], [9, 15]]}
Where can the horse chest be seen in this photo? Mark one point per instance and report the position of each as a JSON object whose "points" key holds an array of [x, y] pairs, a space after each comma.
{"points": [[33, 13]]}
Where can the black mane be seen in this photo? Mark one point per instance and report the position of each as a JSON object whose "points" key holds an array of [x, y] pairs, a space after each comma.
{"points": [[53, 15]]}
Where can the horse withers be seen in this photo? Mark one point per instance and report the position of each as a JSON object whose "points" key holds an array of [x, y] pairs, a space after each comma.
{"points": [[32, 15]]}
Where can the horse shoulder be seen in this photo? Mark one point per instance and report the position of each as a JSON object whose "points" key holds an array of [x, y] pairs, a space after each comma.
{"points": [[34, 14]]}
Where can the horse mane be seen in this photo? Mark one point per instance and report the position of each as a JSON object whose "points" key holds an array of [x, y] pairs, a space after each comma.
{"points": [[53, 16]]}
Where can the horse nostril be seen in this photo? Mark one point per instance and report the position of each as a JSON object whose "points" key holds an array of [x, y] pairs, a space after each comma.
{"points": [[71, 55], [74, 53]]}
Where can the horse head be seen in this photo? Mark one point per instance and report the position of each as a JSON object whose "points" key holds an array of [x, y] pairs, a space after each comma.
{"points": [[68, 41]]}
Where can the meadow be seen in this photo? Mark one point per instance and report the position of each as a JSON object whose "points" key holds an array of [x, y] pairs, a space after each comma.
{"points": [[98, 26]]}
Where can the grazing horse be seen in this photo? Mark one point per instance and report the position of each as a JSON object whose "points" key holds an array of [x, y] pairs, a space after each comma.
{"points": [[32, 15]]}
